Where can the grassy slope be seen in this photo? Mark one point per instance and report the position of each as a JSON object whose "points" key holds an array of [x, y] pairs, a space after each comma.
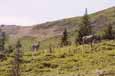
{"points": [[73, 23], [67, 61], [55, 28]]}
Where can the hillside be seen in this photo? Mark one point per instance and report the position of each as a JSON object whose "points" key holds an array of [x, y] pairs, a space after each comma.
{"points": [[67, 61], [55, 28]]}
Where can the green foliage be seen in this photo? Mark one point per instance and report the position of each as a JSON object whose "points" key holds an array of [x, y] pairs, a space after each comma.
{"points": [[85, 28]]}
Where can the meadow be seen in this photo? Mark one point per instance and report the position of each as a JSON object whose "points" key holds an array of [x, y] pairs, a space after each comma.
{"points": [[74, 60]]}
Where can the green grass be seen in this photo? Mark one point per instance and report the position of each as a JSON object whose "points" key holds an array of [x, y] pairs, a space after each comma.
{"points": [[67, 61], [81, 60]]}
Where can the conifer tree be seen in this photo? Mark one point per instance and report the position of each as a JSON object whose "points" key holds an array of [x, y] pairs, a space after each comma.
{"points": [[85, 27], [64, 40], [2, 40], [16, 70]]}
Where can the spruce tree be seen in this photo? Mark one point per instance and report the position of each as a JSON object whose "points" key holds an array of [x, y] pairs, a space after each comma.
{"points": [[85, 27], [16, 63], [2, 40], [64, 40]]}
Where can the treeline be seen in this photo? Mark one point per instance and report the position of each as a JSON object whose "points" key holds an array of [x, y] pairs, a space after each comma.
{"points": [[86, 29]]}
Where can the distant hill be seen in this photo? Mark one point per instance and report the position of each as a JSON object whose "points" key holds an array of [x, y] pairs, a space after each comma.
{"points": [[55, 28]]}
